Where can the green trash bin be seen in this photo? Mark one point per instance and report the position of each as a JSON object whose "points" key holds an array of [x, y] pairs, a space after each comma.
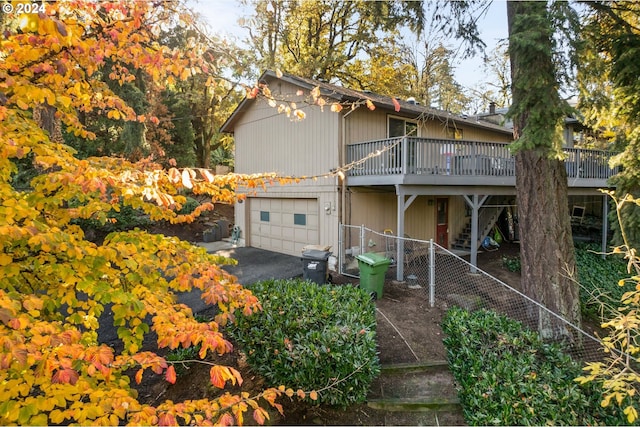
{"points": [[373, 268]]}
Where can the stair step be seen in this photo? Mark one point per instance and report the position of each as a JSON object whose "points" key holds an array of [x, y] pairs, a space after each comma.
{"points": [[414, 405], [415, 367], [414, 383]]}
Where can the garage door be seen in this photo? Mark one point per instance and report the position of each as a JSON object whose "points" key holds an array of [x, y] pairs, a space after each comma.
{"points": [[283, 225]]}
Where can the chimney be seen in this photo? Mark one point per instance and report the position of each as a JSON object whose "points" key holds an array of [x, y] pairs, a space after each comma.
{"points": [[492, 107]]}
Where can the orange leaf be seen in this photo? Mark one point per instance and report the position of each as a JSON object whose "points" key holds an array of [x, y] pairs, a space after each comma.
{"points": [[207, 175], [336, 108], [260, 415], [313, 395], [170, 375], [167, 420], [217, 376], [301, 394], [370, 105], [225, 420], [139, 376], [65, 376], [396, 104]]}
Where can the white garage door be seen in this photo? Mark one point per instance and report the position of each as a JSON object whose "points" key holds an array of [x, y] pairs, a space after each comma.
{"points": [[283, 225]]}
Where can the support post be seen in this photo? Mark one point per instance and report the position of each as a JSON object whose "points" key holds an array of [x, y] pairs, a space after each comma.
{"points": [[475, 207], [400, 245], [605, 224], [432, 274]]}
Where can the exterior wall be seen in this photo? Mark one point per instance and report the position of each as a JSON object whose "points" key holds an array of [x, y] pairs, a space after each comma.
{"points": [[270, 142], [364, 125], [378, 212]]}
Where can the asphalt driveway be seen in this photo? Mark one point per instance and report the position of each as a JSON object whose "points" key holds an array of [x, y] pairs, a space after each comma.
{"points": [[254, 265]]}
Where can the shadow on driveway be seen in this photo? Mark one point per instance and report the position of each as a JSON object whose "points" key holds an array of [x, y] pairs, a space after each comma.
{"points": [[254, 265]]}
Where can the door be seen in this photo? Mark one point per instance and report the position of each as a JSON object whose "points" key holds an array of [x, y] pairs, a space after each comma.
{"points": [[283, 225], [442, 222]]}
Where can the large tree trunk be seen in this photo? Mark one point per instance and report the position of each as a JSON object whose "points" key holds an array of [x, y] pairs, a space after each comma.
{"points": [[546, 244]]}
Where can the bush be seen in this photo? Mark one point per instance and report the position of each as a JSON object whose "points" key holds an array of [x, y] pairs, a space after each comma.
{"points": [[506, 375], [312, 337], [189, 206], [599, 279], [511, 263]]}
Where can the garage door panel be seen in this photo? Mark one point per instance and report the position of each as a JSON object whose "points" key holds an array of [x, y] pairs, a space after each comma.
{"points": [[274, 225]]}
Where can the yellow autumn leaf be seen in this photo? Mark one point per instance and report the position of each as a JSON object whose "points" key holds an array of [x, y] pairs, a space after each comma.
{"points": [[5, 259]]}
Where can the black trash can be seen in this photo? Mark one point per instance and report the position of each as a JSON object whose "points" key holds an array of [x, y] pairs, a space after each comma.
{"points": [[314, 265]]}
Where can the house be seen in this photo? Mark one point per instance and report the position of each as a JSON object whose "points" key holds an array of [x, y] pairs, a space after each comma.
{"points": [[411, 169]]}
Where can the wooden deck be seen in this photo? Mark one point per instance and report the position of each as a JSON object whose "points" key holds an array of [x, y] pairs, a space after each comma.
{"points": [[424, 161]]}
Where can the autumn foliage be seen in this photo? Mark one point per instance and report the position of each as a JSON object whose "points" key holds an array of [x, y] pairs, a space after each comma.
{"points": [[54, 283]]}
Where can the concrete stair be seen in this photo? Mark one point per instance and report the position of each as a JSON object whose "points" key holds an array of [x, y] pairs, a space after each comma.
{"points": [[426, 388]]}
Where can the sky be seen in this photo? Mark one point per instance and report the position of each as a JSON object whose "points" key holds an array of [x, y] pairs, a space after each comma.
{"points": [[222, 16]]}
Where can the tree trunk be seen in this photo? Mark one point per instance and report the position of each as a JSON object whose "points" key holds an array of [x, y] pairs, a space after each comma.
{"points": [[546, 244]]}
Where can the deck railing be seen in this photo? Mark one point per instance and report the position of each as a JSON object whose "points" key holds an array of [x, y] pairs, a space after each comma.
{"points": [[416, 156]]}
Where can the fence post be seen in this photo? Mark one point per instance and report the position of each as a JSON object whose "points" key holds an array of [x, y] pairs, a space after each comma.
{"points": [[432, 274], [340, 247]]}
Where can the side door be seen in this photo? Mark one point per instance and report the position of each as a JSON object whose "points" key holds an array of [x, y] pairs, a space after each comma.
{"points": [[442, 222]]}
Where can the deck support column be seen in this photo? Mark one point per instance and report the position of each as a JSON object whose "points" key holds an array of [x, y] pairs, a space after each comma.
{"points": [[475, 203], [402, 206], [605, 224]]}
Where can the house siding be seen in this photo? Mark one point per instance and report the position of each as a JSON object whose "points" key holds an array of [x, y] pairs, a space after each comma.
{"points": [[272, 142], [364, 125]]}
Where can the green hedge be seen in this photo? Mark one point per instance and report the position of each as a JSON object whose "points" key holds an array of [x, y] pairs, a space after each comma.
{"points": [[310, 336], [506, 375]]}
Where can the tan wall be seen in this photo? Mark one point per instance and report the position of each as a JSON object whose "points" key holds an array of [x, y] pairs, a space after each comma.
{"points": [[272, 142], [365, 125], [378, 212]]}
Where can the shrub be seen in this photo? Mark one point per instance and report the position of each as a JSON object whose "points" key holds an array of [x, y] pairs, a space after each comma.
{"points": [[506, 375], [512, 263], [312, 337], [599, 279], [189, 206]]}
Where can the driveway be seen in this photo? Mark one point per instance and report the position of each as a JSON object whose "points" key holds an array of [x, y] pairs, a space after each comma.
{"points": [[254, 265]]}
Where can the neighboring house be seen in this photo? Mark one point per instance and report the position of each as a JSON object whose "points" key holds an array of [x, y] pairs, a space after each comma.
{"points": [[417, 171]]}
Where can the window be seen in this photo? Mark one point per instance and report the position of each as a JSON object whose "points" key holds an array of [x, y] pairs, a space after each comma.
{"points": [[300, 219], [401, 127], [264, 216], [454, 133]]}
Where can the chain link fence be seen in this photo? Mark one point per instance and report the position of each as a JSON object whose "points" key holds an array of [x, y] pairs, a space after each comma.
{"points": [[445, 279]]}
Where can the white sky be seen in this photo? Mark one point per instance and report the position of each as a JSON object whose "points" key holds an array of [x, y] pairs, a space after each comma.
{"points": [[223, 15]]}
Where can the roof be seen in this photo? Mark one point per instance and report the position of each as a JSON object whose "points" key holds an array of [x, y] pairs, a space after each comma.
{"points": [[343, 94]]}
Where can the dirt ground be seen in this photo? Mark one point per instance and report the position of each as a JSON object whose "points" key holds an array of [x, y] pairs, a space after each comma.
{"points": [[408, 331]]}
